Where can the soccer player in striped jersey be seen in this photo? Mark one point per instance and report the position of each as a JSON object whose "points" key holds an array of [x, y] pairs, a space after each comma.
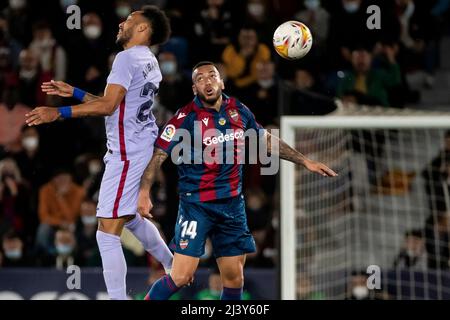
{"points": [[211, 200]]}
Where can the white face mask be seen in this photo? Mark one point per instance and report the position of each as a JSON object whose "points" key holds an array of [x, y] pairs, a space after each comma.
{"points": [[17, 4], [45, 43], [265, 84], [92, 32], [64, 249], [256, 9], [312, 4], [27, 74], [360, 292], [89, 220], [123, 11], [14, 254], [351, 7], [30, 143], [94, 167]]}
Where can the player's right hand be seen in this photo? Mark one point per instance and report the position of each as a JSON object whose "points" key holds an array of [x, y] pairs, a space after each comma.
{"points": [[145, 204], [57, 88]]}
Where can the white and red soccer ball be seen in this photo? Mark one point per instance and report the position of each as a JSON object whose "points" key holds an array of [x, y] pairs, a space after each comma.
{"points": [[292, 40]]}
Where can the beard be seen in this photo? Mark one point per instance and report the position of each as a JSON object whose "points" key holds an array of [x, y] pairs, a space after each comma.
{"points": [[210, 100], [125, 37]]}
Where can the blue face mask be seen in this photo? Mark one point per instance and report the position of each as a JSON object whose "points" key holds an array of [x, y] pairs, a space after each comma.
{"points": [[168, 68], [68, 3], [312, 4], [351, 7], [64, 249], [14, 254]]}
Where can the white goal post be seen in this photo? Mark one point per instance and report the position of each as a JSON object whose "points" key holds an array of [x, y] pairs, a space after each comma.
{"points": [[368, 119]]}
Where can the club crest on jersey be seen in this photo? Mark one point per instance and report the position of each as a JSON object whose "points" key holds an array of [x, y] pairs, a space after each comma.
{"points": [[205, 121], [184, 244], [222, 121], [168, 133], [233, 114]]}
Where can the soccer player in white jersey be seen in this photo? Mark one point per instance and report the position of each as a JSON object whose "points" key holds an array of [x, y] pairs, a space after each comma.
{"points": [[131, 132]]}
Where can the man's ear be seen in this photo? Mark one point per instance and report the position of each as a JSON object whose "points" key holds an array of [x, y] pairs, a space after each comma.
{"points": [[222, 85], [194, 90], [142, 27]]}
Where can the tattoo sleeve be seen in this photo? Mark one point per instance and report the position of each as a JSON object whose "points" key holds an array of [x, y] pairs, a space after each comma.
{"points": [[150, 173], [284, 151]]}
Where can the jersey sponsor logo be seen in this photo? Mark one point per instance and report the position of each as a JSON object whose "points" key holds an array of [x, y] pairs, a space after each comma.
{"points": [[168, 133], [238, 134], [233, 114], [222, 121], [181, 115], [184, 244], [205, 121]]}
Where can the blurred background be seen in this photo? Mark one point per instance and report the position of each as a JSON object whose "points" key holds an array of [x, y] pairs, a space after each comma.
{"points": [[50, 175]]}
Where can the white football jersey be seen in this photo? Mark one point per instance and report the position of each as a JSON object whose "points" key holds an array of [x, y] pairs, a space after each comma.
{"points": [[131, 130]]}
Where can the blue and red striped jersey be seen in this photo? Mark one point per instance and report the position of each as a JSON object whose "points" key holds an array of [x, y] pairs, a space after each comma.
{"points": [[209, 180]]}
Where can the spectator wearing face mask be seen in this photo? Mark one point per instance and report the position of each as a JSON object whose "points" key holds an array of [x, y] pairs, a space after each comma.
{"points": [[258, 14], [412, 256], [14, 198], [173, 81], [213, 28], [88, 70], [65, 245], [241, 57], [30, 78], [15, 255], [30, 159], [51, 55], [347, 27], [59, 207], [358, 289], [122, 10], [86, 232]]}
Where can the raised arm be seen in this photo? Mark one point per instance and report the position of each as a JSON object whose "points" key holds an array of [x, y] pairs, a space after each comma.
{"points": [[62, 89], [148, 179], [103, 106], [290, 154]]}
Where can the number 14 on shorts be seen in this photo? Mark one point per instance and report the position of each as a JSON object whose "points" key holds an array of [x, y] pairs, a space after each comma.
{"points": [[189, 228]]}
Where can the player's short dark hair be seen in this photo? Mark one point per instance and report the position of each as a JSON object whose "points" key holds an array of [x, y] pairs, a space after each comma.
{"points": [[160, 24], [203, 63]]}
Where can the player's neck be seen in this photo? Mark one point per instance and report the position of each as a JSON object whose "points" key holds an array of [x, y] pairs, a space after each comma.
{"points": [[215, 106], [132, 43]]}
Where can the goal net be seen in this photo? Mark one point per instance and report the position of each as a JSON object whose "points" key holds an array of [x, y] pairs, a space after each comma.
{"points": [[383, 223]]}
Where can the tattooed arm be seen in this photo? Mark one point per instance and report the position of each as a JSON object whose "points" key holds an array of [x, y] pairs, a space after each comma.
{"points": [[148, 179], [284, 151]]}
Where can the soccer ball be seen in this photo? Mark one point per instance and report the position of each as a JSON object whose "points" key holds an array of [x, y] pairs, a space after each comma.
{"points": [[292, 40]]}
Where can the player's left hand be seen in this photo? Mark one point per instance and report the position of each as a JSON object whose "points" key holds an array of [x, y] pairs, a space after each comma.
{"points": [[41, 115], [320, 168]]}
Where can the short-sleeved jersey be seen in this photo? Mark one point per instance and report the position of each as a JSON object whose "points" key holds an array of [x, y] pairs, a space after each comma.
{"points": [[207, 180], [131, 129]]}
